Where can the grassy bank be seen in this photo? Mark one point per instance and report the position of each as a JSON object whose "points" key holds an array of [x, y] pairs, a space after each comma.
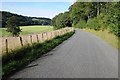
{"points": [[107, 36], [28, 30], [19, 58]]}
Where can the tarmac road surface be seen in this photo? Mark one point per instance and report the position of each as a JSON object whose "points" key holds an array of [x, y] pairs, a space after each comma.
{"points": [[84, 55]]}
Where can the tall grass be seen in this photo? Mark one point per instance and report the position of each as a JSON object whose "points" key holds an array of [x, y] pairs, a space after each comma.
{"points": [[107, 36], [17, 59]]}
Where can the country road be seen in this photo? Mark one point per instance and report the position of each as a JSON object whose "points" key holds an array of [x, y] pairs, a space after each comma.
{"points": [[84, 55]]}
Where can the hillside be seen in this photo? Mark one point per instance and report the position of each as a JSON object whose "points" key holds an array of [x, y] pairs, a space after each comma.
{"points": [[25, 20]]}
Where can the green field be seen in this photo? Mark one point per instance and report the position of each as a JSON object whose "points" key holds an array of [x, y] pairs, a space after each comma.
{"points": [[28, 30]]}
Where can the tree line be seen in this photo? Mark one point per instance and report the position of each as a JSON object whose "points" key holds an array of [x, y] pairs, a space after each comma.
{"points": [[92, 15], [13, 21], [24, 20]]}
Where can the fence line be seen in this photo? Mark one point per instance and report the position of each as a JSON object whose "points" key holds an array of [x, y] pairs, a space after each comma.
{"points": [[6, 42], [21, 41], [12, 43]]}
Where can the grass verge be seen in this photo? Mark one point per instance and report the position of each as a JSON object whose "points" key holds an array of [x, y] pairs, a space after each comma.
{"points": [[19, 58], [107, 36]]}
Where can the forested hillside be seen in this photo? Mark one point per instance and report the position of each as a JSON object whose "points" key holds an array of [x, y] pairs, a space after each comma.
{"points": [[92, 15], [24, 20]]}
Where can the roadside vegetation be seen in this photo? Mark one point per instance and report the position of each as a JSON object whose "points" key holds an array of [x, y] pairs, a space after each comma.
{"points": [[24, 20], [105, 35], [92, 15], [101, 18], [34, 29], [19, 58]]}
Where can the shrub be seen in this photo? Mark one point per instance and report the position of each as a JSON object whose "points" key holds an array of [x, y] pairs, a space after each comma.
{"points": [[81, 24], [93, 24]]}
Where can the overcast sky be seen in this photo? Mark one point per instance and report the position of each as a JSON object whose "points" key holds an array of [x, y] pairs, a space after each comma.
{"points": [[36, 9]]}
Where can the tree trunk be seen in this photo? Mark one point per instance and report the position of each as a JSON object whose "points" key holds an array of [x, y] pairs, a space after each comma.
{"points": [[98, 8]]}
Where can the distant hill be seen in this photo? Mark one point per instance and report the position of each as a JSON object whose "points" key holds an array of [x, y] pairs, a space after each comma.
{"points": [[25, 20]]}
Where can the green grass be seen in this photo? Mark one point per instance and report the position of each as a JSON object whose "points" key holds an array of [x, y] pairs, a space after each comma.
{"points": [[4, 32], [28, 30], [107, 36], [19, 58]]}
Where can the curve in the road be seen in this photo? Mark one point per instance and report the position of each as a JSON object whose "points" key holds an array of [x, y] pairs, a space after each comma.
{"points": [[82, 56]]}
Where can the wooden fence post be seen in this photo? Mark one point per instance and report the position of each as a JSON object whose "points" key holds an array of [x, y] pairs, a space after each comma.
{"points": [[54, 33], [31, 38], [61, 32], [46, 36], [21, 41], [51, 35], [37, 38], [42, 37], [66, 30], [6, 42], [58, 33]]}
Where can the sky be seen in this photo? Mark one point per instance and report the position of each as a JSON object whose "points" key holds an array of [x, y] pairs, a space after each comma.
{"points": [[36, 9]]}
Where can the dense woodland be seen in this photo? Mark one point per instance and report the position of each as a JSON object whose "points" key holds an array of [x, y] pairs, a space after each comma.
{"points": [[24, 20], [92, 15]]}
